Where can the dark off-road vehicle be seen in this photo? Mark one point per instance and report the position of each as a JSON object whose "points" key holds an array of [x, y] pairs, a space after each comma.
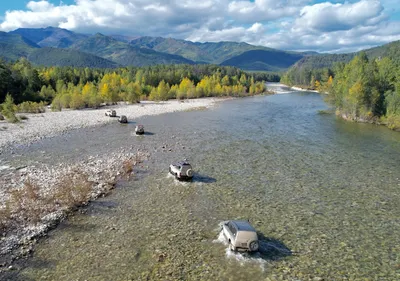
{"points": [[123, 119], [139, 130]]}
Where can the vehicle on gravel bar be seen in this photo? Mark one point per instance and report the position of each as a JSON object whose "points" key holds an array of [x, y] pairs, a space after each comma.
{"points": [[182, 170], [123, 119], [139, 130], [111, 113], [240, 235]]}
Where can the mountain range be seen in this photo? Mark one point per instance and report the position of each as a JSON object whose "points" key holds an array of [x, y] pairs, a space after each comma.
{"points": [[56, 46], [61, 47]]}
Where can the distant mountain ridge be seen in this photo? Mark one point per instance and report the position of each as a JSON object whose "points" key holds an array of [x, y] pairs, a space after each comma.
{"points": [[256, 60], [50, 36], [125, 54], [49, 56], [14, 46], [120, 50]]}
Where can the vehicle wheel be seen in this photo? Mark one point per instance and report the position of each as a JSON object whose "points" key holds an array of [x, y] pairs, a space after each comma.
{"points": [[233, 249], [253, 246], [189, 173]]}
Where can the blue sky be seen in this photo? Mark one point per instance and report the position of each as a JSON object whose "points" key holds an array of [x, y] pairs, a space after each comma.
{"points": [[7, 5], [301, 25]]}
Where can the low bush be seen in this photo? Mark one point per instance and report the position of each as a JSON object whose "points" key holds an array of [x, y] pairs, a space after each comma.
{"points": [[127, 167], [8, 109], [393, 122], [29, 204], [31, 107], [73, 190]]}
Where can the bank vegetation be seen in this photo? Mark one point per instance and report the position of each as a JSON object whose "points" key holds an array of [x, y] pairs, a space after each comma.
{"points": [[363, 90], [32, 88]]}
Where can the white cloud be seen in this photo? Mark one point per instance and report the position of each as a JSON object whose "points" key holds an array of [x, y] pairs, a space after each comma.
{"points": [[242, 34], [263, 10], [285, 24], [331, 17], [40, 6]]}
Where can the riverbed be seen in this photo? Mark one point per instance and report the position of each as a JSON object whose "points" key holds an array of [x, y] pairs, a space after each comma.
{"points": [[322, 192]]}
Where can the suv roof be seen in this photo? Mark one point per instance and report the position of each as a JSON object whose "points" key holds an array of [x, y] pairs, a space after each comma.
{"points": [[243, 225]]}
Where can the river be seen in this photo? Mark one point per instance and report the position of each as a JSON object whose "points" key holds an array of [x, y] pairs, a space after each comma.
{"points": [[322, 192]]}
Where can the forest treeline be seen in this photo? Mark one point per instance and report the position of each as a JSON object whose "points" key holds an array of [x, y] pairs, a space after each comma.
{"points": [[67, 87], [364, 89]]}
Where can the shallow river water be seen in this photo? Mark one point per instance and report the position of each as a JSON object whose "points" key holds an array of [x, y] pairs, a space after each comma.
{"points": [[323, 193]]}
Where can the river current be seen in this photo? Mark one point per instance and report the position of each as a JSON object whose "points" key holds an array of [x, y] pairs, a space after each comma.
{"points": [[322, 192]]}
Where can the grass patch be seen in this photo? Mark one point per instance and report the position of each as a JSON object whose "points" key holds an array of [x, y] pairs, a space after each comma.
{"points": [[31, 202], [196, 108], [326, 111]]}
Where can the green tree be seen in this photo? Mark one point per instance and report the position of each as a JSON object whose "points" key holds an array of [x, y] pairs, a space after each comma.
{"points": [[8, 109]]}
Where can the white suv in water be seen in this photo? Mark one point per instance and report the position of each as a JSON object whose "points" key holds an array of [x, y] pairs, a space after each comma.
{"points": [[111, 113], [182, 170], [240, 235]]}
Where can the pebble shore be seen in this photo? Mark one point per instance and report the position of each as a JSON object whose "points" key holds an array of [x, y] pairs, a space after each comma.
{"points": [[101, 170], [49, 124]]}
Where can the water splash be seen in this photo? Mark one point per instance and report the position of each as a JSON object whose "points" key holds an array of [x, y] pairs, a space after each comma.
{"points": [[4, 167], [176, 181], [242, 258]]}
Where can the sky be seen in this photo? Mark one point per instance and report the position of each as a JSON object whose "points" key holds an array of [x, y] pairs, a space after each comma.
{"points": [[299, 25]]}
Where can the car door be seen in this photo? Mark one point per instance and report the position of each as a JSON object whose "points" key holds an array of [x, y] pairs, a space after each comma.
{"points": [[228, 231]]}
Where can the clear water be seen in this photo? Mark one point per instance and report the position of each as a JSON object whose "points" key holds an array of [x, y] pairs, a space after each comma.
{"points": [[323, 193]]}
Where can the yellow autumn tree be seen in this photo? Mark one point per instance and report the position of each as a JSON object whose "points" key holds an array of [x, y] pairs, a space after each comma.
{"points": [[186, 89]]}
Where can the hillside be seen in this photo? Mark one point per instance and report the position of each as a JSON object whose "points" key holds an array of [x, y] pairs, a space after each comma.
{"points": [[322, 61], [222, 51], [50, 36], [67, 57], [172, 46], [391, 50], [14, 46], [265, 60], [319, 68], [208, 52], [140, 51], [124, 54]]}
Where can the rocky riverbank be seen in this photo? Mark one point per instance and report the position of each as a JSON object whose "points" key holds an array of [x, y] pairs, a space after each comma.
{"points": [[35, 198], [49, 124]]}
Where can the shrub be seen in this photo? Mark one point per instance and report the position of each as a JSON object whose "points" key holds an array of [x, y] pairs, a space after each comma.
{"points": [[56, 105], [393, 122], [5, 218], [127, 167], [27, 203], [8, 109], [73, 190], [31, 107]]}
